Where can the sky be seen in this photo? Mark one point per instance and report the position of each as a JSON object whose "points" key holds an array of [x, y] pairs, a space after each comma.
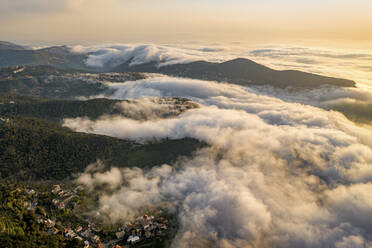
{"points": [[252, 21]]}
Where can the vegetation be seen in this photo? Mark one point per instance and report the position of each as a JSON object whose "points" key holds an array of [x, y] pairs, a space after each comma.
{"points": [[49, 82], [45, 81], [14, 106], [34, 149], [60, 57], [29, 211], [19, 226], [240, 71], [55, 110]]}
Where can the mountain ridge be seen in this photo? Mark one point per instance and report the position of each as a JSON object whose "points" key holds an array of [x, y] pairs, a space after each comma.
{"points": [[5, 45], [241, 71]]}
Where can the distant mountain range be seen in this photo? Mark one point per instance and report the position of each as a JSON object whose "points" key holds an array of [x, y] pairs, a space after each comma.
{"points": [[238, 71], [4, 45], [49, 82], [58, 56]]}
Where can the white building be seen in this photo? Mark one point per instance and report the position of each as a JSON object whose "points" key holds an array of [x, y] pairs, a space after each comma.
{"points": [[133, 239]]}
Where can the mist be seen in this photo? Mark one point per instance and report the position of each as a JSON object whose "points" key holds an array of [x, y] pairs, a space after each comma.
{"points": [[276, 173]]}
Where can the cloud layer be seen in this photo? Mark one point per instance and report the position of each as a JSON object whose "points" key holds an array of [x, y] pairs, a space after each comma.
{"points": [[114, 55], [276, 174], [349, 64], [355, 103]]}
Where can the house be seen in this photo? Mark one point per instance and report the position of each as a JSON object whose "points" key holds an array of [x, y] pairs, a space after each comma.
{"points": [[71, 234], [139, 232], [31, 192], [133, 239], [95, 239], [86, 244], [49, 223], [55, 202], [78, 229], [79, 238], [56, 189], [18, 69], [52, 231], [86, 234], [27, 204], [4, 120], [120, 235], [61, 205]]}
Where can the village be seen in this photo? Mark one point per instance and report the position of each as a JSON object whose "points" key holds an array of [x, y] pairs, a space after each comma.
{"points": [[143, 230]]}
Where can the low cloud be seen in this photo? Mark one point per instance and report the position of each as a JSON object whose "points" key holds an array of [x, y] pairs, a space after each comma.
{"points": [[114, 55], [278, 52], [276, 173], [355, 103], [154, 108], [93, 176], [349, 64]]}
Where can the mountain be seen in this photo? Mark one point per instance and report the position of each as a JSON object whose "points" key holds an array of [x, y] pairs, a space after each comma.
{"points": [[46, 81], [32, 140], [12, 106], [37, 149], [240, 71], [58, 56], [4, 45], [49, 82]]}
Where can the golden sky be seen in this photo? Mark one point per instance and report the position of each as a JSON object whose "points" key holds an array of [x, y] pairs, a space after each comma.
{"points": [[255, 21]]}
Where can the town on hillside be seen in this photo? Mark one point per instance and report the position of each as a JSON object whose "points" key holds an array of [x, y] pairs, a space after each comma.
{"points": [[57, 211]]}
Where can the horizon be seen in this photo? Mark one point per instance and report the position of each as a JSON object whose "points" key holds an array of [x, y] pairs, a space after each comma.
{"points": [[185, 123], [322, 23], [353, 64]]}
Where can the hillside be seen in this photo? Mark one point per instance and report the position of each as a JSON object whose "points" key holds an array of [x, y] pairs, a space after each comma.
{"points": [[4, 45], [36, 149], [60, 57], [49, 82], [13, 106], [240, 71]]}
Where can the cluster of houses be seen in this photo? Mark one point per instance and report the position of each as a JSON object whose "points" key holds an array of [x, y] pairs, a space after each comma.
{"points": [[65, 198], [4, 120], [112, 77], [76, 233], [18, 69], [143, 229]]}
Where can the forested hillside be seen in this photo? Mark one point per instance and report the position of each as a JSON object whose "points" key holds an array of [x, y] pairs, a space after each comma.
{"points": [[13, 105], [35, 149]]}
